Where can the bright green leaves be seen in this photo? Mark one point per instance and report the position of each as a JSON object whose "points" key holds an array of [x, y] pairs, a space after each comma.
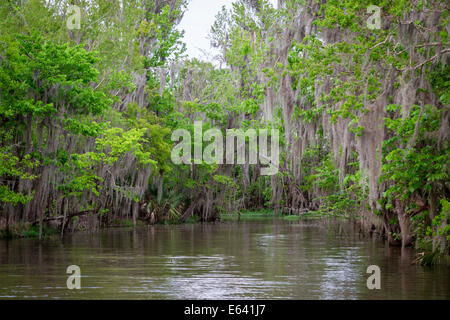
{"points": [[42, 78], [226, 180], [249, 106], [116, 143], [155, 140], [113, 146], [81, 175], [11, 167], [413, 171], [85, 127], [442, 221], [28, 106], [9, 196], [53, 63], [414, 166]]}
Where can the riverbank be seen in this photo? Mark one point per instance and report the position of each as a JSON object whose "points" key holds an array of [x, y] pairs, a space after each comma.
{"points": [[28, 230]]}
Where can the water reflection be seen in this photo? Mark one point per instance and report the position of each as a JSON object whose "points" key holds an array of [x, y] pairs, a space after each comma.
{"points": [[248, 260]]}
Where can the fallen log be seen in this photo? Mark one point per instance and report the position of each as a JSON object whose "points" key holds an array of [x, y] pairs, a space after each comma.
{"points": [[69, 216]]}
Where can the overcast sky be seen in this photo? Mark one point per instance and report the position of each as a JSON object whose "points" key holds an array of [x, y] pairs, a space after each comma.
{"points": [[197, 23]]}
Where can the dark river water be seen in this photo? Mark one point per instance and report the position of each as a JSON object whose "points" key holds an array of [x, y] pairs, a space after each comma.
{"points": [[272, 259]]}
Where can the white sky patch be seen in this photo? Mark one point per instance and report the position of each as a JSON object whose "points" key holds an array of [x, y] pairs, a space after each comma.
{"points": [[197, 22]]}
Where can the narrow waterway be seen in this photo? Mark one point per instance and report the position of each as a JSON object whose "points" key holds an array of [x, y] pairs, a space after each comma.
{"points": [[271, 259]]}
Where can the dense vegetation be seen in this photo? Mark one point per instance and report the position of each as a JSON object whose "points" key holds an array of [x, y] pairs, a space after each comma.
{"points": [[363, 113]]}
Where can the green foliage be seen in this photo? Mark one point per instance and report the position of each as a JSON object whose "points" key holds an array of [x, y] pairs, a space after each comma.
{"points": [[442, 221], [341, 198], [86, 116], [11, 167], [60, 94], [414, 168]]}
